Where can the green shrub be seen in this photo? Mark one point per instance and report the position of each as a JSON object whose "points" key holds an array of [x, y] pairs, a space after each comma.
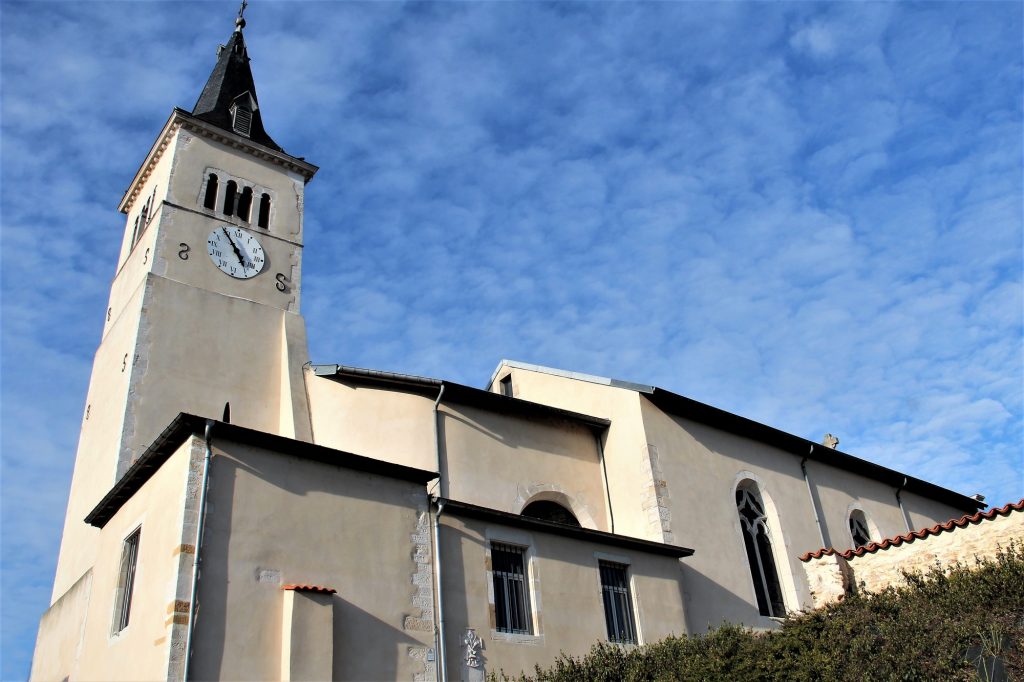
{"points": [[951, 623]]}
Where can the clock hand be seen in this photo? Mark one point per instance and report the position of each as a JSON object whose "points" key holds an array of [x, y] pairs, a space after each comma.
{"points": [[238, 253]]}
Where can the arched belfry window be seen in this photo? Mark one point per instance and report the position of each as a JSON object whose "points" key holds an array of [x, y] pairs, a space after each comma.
{"points": [[859, 529], [229, 197], [757, 539], [547, 510], [264, 218], [245, 204], [210, 198]]}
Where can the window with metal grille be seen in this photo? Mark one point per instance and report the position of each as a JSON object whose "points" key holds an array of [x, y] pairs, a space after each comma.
{"points": [[759, 552], [859, 529], [243, 120], [618, 606], [511, 591], [126, 581]]}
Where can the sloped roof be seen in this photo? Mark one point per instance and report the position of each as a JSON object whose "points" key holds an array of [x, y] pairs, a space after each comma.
{"points": [[231, 80], [688, 408], [937, 529]]}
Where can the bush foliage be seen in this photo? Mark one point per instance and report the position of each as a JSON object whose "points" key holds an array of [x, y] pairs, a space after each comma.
{"points": [[947, 624]]}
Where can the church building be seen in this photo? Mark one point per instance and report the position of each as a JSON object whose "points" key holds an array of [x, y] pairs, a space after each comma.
{"points": [[240, 512]]}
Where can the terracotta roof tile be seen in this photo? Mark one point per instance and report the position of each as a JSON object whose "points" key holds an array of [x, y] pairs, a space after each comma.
{"points": [[310, 588], [938, 528]]}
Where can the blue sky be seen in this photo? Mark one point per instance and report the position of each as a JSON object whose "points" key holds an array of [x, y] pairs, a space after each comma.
{"points": [[809, 214]]}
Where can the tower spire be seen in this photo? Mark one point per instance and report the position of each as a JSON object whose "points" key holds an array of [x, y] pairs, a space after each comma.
{"points": [[228, 100]]}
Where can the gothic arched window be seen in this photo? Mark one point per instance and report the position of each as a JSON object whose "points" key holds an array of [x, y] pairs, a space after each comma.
{"points": [[550, 511], [245, 204], [757, 540], [859, 529], [210, 199], [264, 218], [229, 197]]}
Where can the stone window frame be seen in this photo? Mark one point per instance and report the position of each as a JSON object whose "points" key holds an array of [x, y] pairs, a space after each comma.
{"points": [[781, 549], [633, 593], [223, 178], [874, 534], [525, 540], [123, 599]]}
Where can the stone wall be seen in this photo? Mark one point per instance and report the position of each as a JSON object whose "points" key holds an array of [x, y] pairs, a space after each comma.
{"points": [[831, 575]]}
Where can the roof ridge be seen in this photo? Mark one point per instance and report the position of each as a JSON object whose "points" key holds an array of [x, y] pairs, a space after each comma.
{"points": [[921, 534]]}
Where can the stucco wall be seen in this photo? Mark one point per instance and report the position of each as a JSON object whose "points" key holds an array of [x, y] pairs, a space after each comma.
{"points": [[391, 425], [702, 467], [624, 443], [565, 597], [275, 519], [141, 650], [504, 462]]}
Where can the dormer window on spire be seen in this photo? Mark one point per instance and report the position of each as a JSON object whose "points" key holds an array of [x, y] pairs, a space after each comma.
{"points": [[241, 120]]}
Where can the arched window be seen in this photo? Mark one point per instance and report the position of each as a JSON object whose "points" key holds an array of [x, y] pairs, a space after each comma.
{"points": [[859, 529], [547, 510], [229, 197], [264, 219], [245, 204], [210, 199], [758, 543]]}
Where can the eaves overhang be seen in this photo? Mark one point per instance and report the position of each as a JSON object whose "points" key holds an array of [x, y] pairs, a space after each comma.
{"points": [[456, 393], [185, 426], [472, 511], [181, 119], [687, 408]]}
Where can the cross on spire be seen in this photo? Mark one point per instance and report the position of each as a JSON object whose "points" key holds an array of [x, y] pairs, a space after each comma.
{"points": [[240, 21]]}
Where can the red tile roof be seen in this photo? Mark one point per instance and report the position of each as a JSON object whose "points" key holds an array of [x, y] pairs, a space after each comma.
{"points": [[310, 588], [919, 534]]}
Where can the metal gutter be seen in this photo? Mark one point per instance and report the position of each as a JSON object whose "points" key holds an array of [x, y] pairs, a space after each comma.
{"points": [[472, 511]]}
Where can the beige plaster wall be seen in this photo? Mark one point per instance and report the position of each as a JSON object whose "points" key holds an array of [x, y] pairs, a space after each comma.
{"points": [[275, 519], [141, 650], [59, 639], [99, 443], [702, 467], [565, 595], [624, 443], [505, 462], [393, 426]]}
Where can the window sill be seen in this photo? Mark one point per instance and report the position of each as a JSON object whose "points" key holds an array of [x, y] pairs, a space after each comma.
{"points": [[515, 638]]}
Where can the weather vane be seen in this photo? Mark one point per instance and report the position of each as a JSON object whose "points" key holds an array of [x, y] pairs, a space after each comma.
{"points": [[240, 21]]}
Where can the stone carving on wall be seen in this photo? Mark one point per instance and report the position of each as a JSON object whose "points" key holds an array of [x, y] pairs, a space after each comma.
{"points": [[473, 644]]}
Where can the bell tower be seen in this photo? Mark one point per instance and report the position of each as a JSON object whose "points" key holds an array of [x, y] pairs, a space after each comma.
{"points": [[204, 304]]}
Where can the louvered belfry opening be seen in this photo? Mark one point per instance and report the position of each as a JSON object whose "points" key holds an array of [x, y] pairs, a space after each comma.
{"points": [[618, 605], [511, 591]]}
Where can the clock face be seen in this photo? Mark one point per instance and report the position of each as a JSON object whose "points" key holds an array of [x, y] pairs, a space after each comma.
{"points": [[235, 252]]}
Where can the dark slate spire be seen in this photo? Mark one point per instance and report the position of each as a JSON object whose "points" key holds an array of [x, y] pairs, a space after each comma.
{"points": [[229, 99]]}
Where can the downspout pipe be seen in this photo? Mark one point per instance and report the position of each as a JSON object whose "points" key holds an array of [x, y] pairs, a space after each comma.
{"points": [[604, 476], [200, 526], [442, 671], [810, 496], [899, 501]]}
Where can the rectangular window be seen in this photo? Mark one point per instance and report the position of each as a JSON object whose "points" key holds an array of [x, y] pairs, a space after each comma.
{"points": [[618, 607], [506, 386], [511, 591], [126, 581]]}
